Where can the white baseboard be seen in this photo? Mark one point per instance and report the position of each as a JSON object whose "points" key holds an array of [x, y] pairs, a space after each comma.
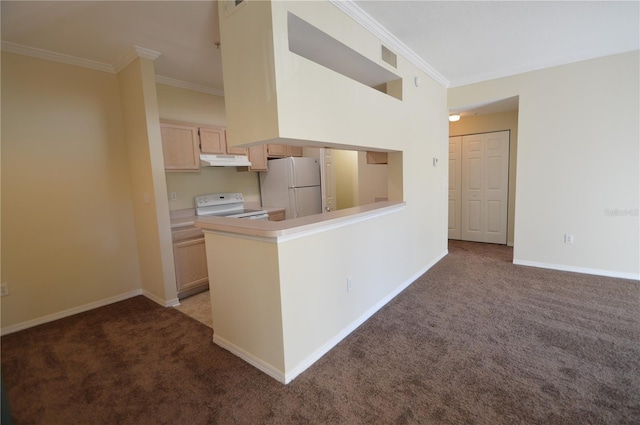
{"points": [[289, 376], [305, 364], [583, 270], [168, 303], [251, 359], [70, 312]]}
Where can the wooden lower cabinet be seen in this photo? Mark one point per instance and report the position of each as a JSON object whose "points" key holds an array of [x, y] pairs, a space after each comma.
{"points": [[258, 158], [191, 264], [276, 215]]}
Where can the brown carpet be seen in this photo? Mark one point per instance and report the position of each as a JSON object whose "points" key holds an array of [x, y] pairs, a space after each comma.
{"points": [[476, 340]]}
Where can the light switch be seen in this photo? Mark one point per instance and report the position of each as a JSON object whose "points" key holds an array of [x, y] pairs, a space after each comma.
{"points": [[436, 161]]}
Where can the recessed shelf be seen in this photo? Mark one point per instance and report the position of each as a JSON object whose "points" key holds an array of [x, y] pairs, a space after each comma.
{"points": [[311, 43]]}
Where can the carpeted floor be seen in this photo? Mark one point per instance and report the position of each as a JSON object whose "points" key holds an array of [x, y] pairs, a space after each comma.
{"points": [[476, 340]]}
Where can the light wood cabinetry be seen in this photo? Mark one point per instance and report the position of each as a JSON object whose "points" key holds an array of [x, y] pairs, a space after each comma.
{"points": [[191, 264], [294, 151], [258, 158], [235, 151], [182, 144], [180, 147], [276, 151], [212, 140], [281, 151], [276, 215]]}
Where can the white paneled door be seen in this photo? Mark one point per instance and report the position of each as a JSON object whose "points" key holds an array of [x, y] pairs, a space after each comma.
{"points": [[455, 188], [484, 182]]}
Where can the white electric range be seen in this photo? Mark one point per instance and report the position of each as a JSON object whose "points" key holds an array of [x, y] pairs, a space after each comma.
{"points": [[226, 205]]}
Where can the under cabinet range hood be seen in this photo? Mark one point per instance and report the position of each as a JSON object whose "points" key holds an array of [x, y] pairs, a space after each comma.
{"points": [[224, 160]]}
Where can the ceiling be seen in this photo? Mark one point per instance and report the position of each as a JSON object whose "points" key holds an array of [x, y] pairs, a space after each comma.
{"points": [[457, 42]]}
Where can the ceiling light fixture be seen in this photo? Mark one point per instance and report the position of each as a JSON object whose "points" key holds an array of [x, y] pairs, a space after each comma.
{"points": [[454, 117]]}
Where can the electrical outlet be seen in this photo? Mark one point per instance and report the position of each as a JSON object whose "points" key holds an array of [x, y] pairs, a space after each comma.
{"points": [[249, 190], [174, 196], [568, 238], [4, 289], [349, 284], [146, 198]]}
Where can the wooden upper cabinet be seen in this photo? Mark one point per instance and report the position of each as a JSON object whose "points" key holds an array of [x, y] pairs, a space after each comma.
{"points": [[276, 151], [294, 150], [258, 158], [212, 140], [377, 157], [180, 147], [281, 151]]}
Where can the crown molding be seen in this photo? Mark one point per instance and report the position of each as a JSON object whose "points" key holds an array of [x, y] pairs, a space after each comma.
{"points": [[362, 18], [134, 53], [529, 68], [189, 86], [56, 57]]}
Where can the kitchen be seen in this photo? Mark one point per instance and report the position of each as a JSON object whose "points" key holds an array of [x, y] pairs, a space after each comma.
{"points": [[357, 181]]}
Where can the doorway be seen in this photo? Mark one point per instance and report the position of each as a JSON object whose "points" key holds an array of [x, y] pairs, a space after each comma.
{"points": [[479, 187]]}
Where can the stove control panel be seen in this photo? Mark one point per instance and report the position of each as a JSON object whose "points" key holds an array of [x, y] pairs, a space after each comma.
{"points": [[218, 199]]}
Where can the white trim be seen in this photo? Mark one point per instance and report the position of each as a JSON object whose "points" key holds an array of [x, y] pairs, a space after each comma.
{"points": [[168, 303], [120, 64], [250, 358], [56, 57], [134, 53], [160, 79], [306, 363], [70, 312], [583, 270], [366, 21]]}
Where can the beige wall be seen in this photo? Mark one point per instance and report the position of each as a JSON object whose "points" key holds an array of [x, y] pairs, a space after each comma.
{"points": [[496, 122], [67, 221], [374, 179], [146, 168], [347, 183], [577, 164], [180, 104]]}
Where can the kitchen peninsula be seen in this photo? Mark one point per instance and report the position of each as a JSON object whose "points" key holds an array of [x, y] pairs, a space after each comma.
{"points": [[269, 307]]}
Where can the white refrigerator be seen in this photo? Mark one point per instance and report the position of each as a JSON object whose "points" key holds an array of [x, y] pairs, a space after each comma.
{"points": [[292, 183]]}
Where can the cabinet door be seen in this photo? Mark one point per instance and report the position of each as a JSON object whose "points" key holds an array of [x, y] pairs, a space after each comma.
{"points": [[233, 151], [258, 158], [276, 151], [294, 150], [191, 264], [212, 140], [276, 215], [376, 157], [180, 147]]}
